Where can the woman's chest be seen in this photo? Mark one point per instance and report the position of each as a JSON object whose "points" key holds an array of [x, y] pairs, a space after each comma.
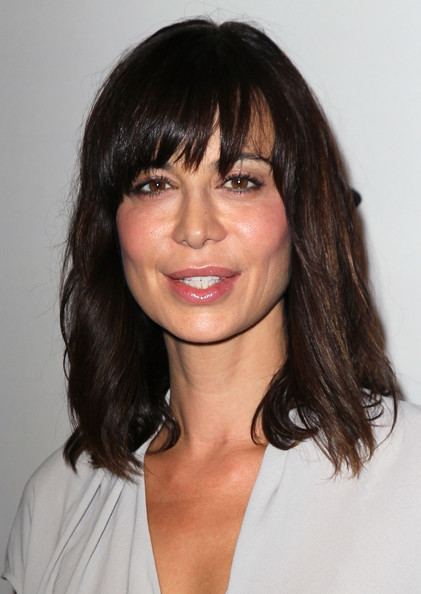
{"points": [[299, 534], [194, 539], [195, 512]]}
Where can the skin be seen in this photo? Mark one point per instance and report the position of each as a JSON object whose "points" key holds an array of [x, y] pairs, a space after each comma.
{"points": [[221, 355]]}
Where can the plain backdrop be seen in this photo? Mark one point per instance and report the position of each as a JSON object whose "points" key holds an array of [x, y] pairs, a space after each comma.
{"points": [[363, 60]]}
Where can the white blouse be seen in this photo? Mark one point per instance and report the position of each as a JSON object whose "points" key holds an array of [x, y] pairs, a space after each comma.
{"points": [[303, 531]]}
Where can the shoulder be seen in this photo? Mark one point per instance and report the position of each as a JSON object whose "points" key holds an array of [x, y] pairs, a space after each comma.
{"points": [[55, 473], [405, 429], [51, 497], [410, 415], [398, 452], [55, 486]]}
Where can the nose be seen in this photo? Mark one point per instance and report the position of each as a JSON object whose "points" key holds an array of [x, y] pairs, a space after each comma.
{"points": [[198, 220]]}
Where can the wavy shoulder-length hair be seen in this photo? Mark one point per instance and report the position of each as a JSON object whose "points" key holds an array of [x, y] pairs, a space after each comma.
{"points": [[162, 100]]}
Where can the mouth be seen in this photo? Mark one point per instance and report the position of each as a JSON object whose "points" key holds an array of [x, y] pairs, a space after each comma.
{"points": [[201, 282], [202, 285]]}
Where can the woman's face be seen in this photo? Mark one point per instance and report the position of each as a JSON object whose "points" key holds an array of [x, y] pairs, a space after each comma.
{"points": [[206, 258]]}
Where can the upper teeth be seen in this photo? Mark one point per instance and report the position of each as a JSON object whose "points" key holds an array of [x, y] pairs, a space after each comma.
{"points": [[201, 282]]}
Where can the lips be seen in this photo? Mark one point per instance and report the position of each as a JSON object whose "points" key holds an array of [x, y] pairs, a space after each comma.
{"points": [[204, 271], [221, 283]]}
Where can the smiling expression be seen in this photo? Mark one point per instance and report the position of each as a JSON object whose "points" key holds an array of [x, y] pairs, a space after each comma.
{"points": [[205, 257]]}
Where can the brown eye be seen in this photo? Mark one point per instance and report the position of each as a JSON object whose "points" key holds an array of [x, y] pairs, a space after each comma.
{"points": [[241, 183], [154, 186], [151, 186]]}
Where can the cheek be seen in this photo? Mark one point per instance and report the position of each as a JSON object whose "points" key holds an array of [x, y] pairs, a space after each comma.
{"points": [[267, 232], [136, 236], [138, 252]]}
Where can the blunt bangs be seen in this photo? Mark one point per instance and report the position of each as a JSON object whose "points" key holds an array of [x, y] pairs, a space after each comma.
{"points": [[167, 97]]}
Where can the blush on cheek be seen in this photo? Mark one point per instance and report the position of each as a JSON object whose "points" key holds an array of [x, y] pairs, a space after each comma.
{"points": [[274, 230], [139, 230], [130, 239]]}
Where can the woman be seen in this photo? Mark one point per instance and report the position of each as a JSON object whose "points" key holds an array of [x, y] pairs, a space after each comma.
{"points": [[236, 426]]}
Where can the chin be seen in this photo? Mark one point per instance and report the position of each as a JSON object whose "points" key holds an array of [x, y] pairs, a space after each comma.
{"points": [[211, 333]]}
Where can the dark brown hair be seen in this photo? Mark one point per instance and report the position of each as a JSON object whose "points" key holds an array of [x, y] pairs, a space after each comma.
{"points": [[162, 98]]}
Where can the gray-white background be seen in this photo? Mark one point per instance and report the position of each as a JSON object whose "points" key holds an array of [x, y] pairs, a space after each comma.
{"points": [[363, 59]]}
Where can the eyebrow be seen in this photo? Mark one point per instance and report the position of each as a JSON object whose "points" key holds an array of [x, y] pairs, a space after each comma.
{"points": [[254, 157], [241, 157]]}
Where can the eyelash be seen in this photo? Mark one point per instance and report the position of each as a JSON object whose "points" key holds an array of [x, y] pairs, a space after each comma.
{"points": [[139, 188], [242, 176]]}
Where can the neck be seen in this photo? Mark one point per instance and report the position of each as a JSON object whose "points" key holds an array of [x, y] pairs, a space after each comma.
{"points": [[216, 388]]}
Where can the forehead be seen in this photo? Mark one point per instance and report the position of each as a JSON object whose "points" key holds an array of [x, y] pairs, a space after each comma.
{"points": [[258, 141], [260, 137], [222, 133]]}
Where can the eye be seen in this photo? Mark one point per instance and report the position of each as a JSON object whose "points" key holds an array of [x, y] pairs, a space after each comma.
{"points": [[151, 186], [241, 183]]}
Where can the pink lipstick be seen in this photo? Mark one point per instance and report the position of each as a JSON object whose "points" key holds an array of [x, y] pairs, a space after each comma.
{"points": [[204, 285]]}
